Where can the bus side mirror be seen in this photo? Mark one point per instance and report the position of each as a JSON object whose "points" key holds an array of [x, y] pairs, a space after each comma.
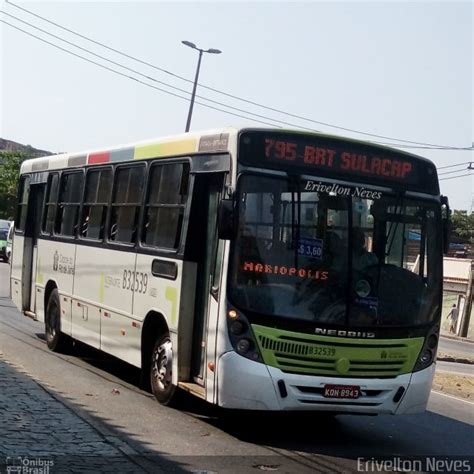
{"points": [[446, 221], [226, 219]]}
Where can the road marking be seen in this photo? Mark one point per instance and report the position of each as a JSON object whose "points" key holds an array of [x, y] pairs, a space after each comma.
{"points": [[451, 396]]}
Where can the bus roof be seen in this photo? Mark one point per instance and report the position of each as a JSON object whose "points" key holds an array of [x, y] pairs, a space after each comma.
{"points": [[208, 141]]}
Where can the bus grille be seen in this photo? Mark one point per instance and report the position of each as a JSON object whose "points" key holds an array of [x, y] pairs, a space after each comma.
{"points": [[309, 354]]}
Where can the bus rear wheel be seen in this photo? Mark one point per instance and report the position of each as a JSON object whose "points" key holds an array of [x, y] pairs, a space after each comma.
{"points": [[55, 339], [161, 371]]}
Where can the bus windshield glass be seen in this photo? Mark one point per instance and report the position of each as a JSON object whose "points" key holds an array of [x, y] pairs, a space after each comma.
{"points": [[334, 254]]}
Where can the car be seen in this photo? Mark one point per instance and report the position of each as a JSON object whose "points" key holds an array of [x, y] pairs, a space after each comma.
{"points": [[4, 231], [10, 241], [458, 250], [3, 244]]}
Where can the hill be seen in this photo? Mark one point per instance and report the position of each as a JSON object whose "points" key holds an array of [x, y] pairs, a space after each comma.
{"points": [[28, 150]]}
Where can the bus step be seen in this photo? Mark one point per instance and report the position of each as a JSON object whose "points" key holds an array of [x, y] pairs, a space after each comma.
{"points": [[30, 314], [193, 388]]}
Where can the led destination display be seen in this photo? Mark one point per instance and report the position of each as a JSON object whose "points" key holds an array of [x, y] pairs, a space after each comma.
{"points": [[341, 158]]}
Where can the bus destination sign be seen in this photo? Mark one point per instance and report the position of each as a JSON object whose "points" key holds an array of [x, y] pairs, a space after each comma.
{"points": [[316, 156], [334, 157]]}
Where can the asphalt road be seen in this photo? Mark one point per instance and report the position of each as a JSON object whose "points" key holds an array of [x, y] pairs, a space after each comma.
{"points": [[104, 391], [455, 347], [455, 368]]}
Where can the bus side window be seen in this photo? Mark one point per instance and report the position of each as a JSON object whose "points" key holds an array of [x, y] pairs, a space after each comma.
{"points": [[165, 204], [24, 191], [49, 210], [126, 203], [70, 197], [96, 200]]}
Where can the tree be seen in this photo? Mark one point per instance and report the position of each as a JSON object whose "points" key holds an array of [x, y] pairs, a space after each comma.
{"points": [[463, 225], [10, 163]]}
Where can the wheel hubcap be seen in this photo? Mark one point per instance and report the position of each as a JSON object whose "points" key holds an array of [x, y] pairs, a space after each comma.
{"points": [[162, 363]]}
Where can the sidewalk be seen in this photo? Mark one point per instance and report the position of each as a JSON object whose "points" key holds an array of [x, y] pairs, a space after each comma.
{"points": [[39, 433], [456, 338]]}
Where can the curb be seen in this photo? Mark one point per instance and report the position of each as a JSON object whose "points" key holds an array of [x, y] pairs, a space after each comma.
{"points": [[457, 338], [459, 360]]}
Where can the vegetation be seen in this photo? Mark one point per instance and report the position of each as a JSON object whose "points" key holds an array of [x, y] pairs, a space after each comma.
{"points": [[10, 163], [463, 226]]}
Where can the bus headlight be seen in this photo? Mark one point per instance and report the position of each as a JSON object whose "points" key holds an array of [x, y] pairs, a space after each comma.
{"points": [[241, 336], [237, 328], [243, 346], [426, 357], [428, 352]]}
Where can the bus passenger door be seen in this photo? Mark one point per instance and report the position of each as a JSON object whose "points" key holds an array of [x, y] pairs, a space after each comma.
{"points": [[203, 231], [30, 245]]}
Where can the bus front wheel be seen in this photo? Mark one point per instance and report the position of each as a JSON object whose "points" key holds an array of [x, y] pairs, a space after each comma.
{"points": [[161, 370], [55, 339]]}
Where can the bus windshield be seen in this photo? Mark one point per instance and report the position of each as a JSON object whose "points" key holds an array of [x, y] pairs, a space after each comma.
{"points": [[334, 254]]}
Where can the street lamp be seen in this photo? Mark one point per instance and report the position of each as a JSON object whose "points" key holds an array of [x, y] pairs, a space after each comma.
{"points": [[193, 95]]}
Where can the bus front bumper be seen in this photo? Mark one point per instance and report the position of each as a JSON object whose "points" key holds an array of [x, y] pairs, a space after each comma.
{"points": [[244, 384]]}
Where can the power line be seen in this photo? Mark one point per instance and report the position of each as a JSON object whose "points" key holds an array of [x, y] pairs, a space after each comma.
{"points": [[458, 170], [131, 77], [237, 97], [186, 99], [146, 84], [154, 79], [149, 77], [457, 164], [177, 88], [455, 177], [452, 172], [445, 148]]}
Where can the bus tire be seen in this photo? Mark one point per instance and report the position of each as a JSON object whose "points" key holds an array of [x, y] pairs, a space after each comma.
{"points": [[161, 366], [55, 339]]}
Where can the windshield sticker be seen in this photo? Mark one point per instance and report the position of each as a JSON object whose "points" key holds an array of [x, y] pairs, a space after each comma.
{"points": [[303, 273], [311, 248], [368, 302], [338, 190]]}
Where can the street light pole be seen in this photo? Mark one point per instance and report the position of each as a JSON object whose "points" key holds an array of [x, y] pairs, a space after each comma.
{"points": [[193, 95]]}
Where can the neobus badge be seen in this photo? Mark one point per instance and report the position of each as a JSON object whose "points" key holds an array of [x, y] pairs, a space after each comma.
{"points": [[343, 333]]}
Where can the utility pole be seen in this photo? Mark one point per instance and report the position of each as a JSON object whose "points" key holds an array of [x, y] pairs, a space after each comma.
{"points": [[466, 313]]}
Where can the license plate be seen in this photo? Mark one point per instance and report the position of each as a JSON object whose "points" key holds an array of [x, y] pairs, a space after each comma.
{"points": [[341, 391]]}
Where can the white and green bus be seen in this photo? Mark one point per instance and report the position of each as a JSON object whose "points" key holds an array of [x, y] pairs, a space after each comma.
{"points": [[255, 268]]}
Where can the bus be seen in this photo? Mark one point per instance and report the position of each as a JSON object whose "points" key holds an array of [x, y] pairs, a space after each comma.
{"points": [[258, 269]]}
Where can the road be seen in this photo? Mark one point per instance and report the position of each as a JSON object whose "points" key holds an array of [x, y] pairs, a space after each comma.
{"points": [[455, 368], [105, 393], [455, 347]]}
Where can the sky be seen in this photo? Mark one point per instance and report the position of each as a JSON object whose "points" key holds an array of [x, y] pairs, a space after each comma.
{"points": [[401, 69]]}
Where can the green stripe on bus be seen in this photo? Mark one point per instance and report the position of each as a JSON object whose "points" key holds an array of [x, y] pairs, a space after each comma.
{"points": [[171, 295], [337, 356]]}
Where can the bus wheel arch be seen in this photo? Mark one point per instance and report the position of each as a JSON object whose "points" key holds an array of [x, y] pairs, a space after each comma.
{"points": [[157, 358]]}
